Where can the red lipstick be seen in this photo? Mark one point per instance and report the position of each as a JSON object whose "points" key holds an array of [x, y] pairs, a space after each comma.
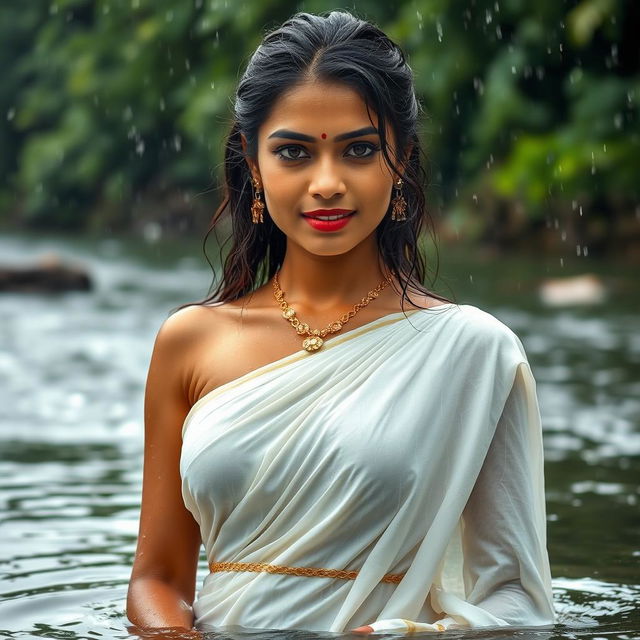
{"points": [[328, 219]]}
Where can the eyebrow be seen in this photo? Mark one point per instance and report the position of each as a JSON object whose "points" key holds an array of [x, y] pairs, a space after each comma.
{"points": [[294, 135]]}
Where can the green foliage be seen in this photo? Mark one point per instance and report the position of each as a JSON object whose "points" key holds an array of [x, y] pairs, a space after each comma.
{"points": [[106, 104]]}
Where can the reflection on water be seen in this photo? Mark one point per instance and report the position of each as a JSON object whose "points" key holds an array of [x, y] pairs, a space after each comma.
{"points": [[73, 367]]}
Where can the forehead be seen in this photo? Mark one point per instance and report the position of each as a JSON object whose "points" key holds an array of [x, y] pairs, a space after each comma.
{"points": [[315, 107]]}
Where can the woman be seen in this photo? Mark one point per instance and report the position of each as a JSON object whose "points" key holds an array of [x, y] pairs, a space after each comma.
{"points": [[354, 451]]}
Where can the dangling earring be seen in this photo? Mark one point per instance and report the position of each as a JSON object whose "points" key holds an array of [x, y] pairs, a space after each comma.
{"points": [[399, 204], [258, 206]]}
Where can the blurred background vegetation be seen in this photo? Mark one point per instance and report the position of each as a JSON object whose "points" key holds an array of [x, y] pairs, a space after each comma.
{"points": [[113, 113]]}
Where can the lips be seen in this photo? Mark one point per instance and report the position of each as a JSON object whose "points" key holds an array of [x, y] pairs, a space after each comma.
{"points": [[328, 220], [328, 214]]}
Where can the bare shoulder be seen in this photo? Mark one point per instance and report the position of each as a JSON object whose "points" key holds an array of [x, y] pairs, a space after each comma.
{"points": [[191, 324], [180, 326]]}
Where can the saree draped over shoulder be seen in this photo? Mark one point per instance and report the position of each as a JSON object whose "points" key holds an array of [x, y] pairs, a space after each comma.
{"points": [[411, 445]]}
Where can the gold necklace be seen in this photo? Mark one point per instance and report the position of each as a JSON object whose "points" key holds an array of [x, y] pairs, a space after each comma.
{"points": [[315, 337]]}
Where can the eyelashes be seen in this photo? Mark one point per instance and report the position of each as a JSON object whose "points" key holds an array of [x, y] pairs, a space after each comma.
{"points": [[370, 149]]}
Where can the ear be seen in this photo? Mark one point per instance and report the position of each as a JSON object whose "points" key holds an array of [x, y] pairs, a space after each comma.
{"points": [[406, 155], [253, 165]]}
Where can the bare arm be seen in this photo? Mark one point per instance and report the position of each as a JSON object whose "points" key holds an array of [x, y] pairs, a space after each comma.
{"points": [[162, 585]]}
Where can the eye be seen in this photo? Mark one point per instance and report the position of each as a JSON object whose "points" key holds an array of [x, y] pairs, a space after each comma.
{"points": [[363, 150], [290, 152]]}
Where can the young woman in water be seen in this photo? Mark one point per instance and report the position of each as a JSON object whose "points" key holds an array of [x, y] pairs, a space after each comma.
{"points": [[355, 452]]}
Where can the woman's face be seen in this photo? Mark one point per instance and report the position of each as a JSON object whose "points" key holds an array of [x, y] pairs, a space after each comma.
{"points": [[319, 150]]}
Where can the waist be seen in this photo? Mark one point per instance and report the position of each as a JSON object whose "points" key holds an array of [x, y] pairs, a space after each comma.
{"points": [[311, 572]]}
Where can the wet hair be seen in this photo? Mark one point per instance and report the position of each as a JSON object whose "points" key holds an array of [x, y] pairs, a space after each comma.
{"points": [[334, 48]]}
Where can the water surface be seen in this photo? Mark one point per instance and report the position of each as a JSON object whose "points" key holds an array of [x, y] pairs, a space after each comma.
{"points": [[72, 372]]}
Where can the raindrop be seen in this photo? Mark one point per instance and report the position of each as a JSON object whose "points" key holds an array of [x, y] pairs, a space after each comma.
{"points": [[177, 142], [475, 198], [498, 32], [140, 147], [162, 104], [106, 9], [581, 211], [53, 9], [496, 6], [513, 70], [574, 205], [562, 262], [127, 114], [563, 236], [470, 278], [585, 251], [556, 224], [617, 121], [11, 114], [439, 31], [213, 84], [604, 147], [578, 249], [488, 17]]}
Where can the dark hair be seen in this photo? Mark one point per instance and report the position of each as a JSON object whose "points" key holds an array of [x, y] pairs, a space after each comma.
{"points": [[336, 48]]}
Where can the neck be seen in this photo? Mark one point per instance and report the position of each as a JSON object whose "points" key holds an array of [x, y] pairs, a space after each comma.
{"points": [[329, 282]]}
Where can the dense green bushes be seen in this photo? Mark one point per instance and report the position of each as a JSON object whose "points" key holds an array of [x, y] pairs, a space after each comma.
{"points": [[114, 111]]}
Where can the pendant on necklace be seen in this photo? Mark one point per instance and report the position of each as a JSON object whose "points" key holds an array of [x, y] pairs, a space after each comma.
{"points": [[312, 343]]}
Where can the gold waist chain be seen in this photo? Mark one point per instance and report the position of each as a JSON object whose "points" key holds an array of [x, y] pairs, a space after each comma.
{"points": [[296, 571]]}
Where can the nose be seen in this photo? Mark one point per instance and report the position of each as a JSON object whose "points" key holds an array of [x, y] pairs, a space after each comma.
{"points": [[326, 180]]}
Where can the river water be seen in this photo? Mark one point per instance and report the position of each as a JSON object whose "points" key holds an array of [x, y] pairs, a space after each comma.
{"points": [[72, 372]]}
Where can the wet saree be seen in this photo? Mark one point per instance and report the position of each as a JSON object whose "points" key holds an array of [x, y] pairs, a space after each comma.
{"points": [[411, 445]]}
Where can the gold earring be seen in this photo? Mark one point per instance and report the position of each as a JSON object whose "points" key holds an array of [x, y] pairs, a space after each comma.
{"points": [[399, 204], [258, 206]]}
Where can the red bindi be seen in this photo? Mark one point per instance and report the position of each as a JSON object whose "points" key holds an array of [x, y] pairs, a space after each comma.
{"points": [[324, 136]]}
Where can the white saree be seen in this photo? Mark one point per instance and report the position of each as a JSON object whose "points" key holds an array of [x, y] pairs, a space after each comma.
{"points": [[409, 445]]}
